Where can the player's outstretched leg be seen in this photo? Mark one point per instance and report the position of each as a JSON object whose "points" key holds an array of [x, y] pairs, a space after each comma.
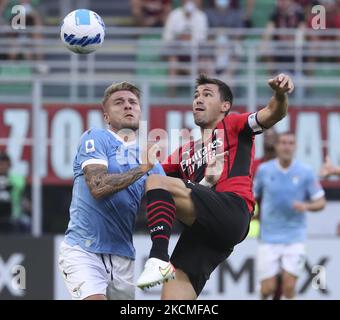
{"points": [[167, 198]]}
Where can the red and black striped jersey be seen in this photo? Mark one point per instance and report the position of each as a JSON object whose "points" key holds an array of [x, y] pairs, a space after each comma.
{"points": [[234, 134]]}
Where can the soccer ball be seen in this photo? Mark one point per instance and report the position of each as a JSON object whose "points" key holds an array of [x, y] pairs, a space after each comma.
{"points": [[82, 31]]}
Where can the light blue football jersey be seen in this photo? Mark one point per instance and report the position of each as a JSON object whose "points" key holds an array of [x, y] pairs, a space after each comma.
{"points": [[278, 189], [105, 225]]}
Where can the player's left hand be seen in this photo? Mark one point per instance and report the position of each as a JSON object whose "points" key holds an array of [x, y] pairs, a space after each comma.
{"points": [[215, 167], [300, 206], [281, 84]]}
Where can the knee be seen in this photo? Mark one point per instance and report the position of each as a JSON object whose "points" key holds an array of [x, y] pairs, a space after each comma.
{"points": [[179, 289], [155, 181]]}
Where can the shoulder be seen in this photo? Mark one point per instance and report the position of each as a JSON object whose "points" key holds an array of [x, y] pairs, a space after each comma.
{"points": [[234, 117], [239, 121], [95, 132], [305, 168], [94, 136], [267, 165]]}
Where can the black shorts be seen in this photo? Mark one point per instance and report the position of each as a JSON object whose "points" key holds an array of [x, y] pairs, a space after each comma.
{"points": [[222, 222]]}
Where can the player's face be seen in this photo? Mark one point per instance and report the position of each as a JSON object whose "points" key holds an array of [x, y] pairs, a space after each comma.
{"points": [[270, 137], [285, 147], [207, 106], [122, 111]]}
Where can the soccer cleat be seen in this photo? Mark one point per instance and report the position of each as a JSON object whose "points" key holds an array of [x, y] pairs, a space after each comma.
{"points": [[155, 272]]}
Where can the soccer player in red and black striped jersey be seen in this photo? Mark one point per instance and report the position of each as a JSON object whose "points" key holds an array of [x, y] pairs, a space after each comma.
{"points": [[210, 190]]}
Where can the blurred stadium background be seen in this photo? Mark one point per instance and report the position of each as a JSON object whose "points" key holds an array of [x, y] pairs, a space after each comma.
{"points": [[49, 96]]}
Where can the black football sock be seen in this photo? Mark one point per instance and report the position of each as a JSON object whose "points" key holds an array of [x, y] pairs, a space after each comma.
{"points": [[161, 213]]}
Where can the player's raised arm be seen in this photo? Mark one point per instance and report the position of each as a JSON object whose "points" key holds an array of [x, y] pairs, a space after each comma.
{"points": [[278, 104], [101, 183]]}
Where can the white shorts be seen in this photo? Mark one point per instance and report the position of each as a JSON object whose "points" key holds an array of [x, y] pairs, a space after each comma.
{"points": [[86, 273], [272, 259]]}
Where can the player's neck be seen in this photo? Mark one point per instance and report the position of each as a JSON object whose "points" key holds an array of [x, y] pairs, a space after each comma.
{"points": [[285, 163], [206, 134], [207, 130], [126, 135]]}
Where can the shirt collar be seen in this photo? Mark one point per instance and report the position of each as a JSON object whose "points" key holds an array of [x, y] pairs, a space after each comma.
{"points": [[284, 170], [121, 140]]}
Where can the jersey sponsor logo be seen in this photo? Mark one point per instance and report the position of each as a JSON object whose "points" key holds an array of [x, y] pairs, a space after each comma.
{"points": [[201, 156], [166, 270], [89, 146]]}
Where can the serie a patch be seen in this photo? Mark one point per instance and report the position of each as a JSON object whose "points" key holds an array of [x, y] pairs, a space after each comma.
{"points": [[89, 146]]}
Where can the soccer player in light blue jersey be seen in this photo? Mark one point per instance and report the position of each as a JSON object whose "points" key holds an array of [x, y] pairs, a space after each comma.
{"points": [[97, 255], [287, 189]]}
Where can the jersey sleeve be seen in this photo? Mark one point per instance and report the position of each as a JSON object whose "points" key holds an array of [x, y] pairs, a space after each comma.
{"points": [[314, 188], [171, 164], [246, 121], [92, 149], [258, 182]]}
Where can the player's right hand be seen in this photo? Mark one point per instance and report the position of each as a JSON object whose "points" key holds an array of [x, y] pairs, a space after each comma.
{"points": [[281, 84]]}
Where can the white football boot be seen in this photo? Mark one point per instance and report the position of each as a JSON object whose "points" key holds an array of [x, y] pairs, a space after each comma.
{"points": [[155, 272]]}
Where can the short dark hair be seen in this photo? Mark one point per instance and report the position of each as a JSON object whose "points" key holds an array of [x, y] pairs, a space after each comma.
{"points": [[223, 88]]}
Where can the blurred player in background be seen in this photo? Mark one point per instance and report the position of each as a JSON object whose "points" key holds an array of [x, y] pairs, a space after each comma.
{"points": [[328, 169], [269, 139], [288, 189], [214, 201], [97, 254]]}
